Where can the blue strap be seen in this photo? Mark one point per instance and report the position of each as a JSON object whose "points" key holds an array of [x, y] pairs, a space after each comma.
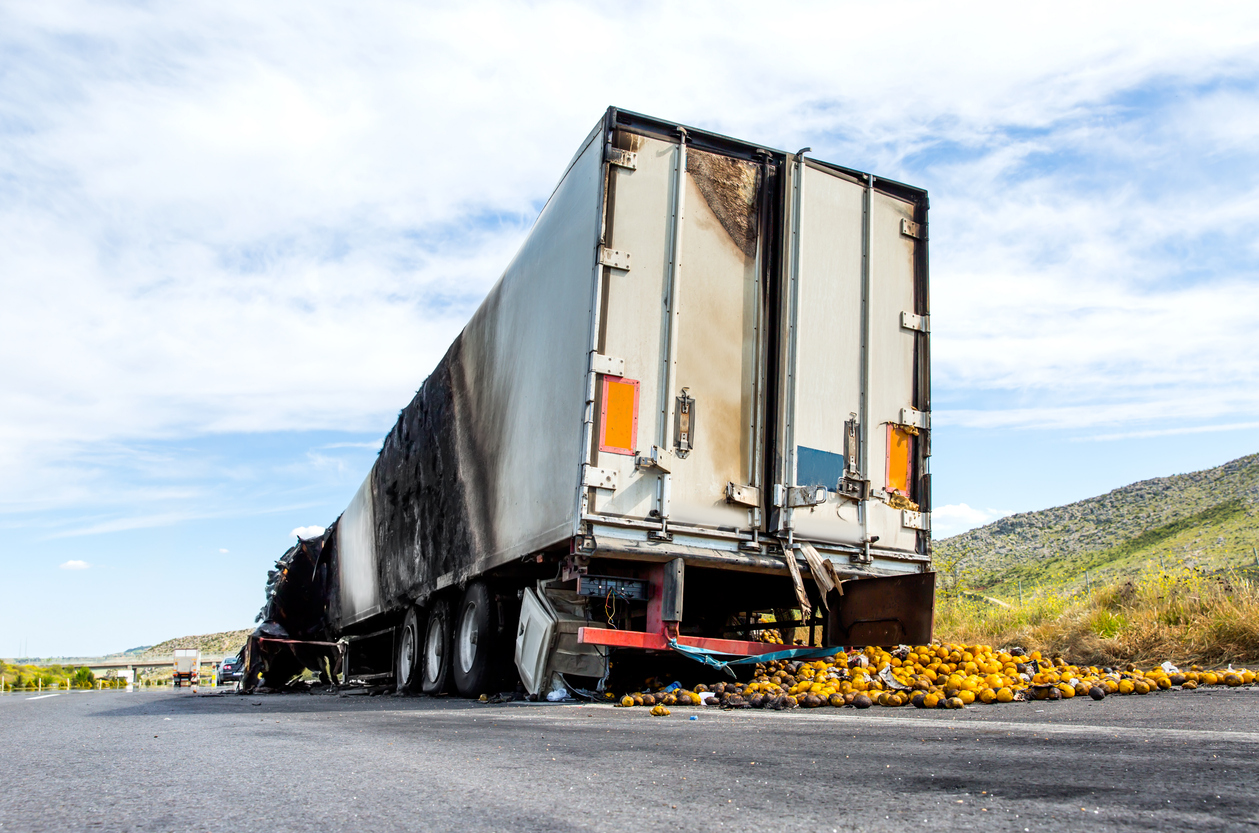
{"points": [[707, 657]]}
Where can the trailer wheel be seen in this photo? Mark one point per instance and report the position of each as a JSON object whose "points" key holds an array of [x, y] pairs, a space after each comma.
{"points": [[476, 642], [408, 665], [436, 657]]}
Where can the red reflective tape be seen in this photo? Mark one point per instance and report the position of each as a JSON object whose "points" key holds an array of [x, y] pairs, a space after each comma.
{"points": [[622, 639], [658, 642]]}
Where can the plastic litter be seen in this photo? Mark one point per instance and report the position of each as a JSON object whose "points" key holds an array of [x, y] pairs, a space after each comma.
{"points": [[558, 692]]}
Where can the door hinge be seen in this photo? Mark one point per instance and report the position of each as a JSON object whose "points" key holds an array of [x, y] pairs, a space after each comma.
{"points": [[621, 158], [854, 488], [911, 229], [921, 323], [599, 478], [915, 520], [794, 497], [743, 495], [607, 365], [657, 459], [614, 258], [918, 419]]}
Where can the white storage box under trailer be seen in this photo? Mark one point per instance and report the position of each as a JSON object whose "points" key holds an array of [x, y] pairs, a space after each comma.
{"points": [[700, 390]]}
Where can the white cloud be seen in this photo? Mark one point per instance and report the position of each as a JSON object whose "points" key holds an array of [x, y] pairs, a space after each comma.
{"points": [[1167, 432], [75, 565], [956, 518], [307, 532], [263, 217], [223, 551]]}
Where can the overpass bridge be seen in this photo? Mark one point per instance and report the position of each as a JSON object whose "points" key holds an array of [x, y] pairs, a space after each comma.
{"points": [[102, 666]]}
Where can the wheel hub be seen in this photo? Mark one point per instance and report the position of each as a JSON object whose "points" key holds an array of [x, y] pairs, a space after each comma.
{"points": [[433, 651], [468, 633], [406, 655]]}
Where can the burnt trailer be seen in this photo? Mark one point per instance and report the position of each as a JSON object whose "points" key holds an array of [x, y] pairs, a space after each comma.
{"points": [[700, 391]]}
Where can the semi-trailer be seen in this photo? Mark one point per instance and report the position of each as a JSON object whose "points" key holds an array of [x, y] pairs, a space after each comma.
{"points": [[187, 667], [699, 392]]}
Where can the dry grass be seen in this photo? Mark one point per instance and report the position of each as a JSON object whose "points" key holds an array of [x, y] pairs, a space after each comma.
{"points": [[1177, 615]]}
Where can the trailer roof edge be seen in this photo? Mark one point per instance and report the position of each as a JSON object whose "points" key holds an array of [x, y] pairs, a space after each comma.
{"points": [[708, 140]]}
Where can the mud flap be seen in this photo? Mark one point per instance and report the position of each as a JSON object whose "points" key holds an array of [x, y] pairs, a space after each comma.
{"points": [[888, 610]]}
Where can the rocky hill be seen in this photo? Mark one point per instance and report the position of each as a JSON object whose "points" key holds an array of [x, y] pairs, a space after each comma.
{"points": [[1207, 519]]}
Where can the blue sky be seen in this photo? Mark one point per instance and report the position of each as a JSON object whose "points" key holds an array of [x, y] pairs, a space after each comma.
{"points": [[234, 240]]}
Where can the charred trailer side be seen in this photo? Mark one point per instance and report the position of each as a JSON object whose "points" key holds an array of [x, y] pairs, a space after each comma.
{"points": [[699, 392]]}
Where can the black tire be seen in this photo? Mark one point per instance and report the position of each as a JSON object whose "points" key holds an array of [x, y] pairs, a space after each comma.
{"points": [[435, 661], [407, 663], [476, 655]]}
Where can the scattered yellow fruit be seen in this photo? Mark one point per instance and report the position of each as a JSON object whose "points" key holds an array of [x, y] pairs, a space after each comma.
{"points": [[948, 676]]}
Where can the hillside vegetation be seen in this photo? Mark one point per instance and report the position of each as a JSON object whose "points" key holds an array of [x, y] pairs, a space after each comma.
{"points": [[1206, 520], [24, 677], [1180, 615], [1163, 569]]}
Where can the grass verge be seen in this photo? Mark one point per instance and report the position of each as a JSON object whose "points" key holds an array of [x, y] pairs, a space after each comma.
{"points": [[1177, 614]]}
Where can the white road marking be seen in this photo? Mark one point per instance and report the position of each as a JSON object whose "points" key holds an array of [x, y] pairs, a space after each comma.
{"points": [[44, 696]]}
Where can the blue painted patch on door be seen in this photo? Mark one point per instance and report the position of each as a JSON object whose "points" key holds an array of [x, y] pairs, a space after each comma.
{"points": [[818, 468]]}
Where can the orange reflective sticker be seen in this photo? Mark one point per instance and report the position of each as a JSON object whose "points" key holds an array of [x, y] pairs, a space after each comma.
{"points": [[900, 453], [618, 425]]}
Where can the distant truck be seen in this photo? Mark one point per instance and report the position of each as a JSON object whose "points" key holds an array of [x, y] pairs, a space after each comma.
{"points": [[187, 666], [699, 392]]}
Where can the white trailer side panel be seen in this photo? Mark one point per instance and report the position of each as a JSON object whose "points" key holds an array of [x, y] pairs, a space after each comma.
{"points": [[525, 358], [356, 548], [484, 464]]}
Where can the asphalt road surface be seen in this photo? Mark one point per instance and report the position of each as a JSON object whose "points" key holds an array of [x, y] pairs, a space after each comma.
{"points": [[177, 761]]}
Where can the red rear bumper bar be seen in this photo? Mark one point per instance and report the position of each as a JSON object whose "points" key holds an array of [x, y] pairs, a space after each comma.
{"points": [[659, 642]]}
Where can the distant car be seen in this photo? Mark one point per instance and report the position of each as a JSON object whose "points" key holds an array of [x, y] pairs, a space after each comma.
{"points": [[231, 670]]}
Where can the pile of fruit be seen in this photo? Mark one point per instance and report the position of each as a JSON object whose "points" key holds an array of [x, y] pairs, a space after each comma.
{"points": [[928, 676]]}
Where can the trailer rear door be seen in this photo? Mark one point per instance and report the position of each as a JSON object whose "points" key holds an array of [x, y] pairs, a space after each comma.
{"points": [[684, 321], [852, 339]]}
